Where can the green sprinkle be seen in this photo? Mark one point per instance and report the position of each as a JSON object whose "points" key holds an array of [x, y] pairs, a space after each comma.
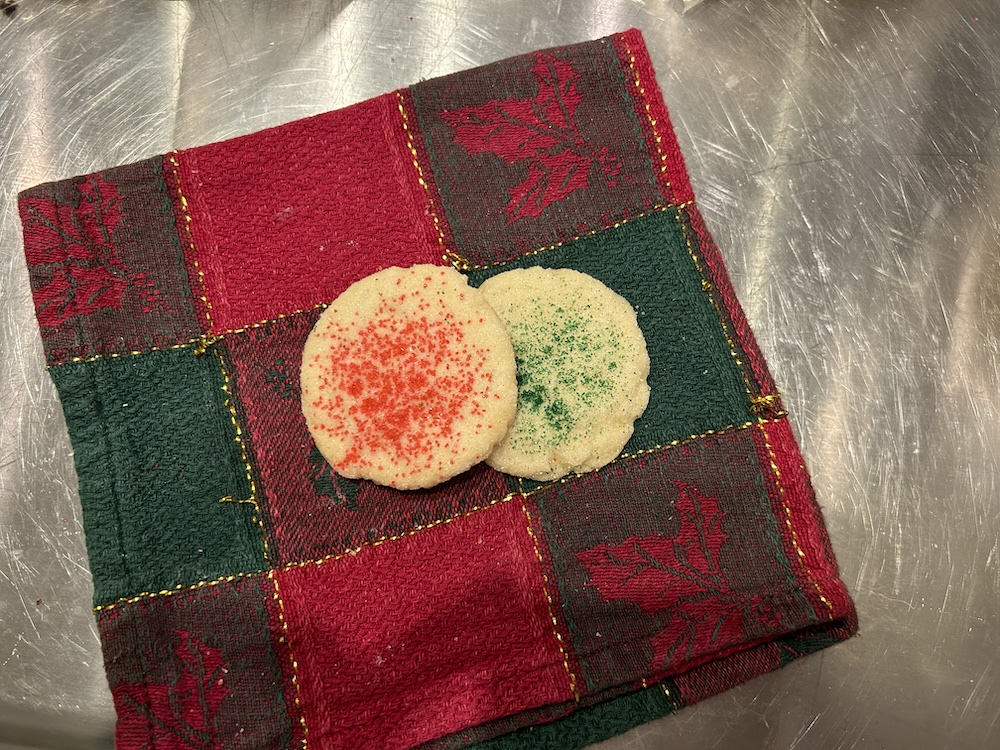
{"points": [[559, 370]]}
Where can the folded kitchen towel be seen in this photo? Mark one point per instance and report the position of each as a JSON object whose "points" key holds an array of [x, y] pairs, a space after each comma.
{"points": [[248, 597]]}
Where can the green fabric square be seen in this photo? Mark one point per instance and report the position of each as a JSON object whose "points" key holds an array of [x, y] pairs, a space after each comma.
{"points": [[155, 452], [695, 385]]}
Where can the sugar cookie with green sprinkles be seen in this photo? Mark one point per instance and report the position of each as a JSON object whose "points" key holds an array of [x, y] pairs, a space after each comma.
{"points": [[581, 371]]}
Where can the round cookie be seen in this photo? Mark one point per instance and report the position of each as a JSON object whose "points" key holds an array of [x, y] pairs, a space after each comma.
{"points": [[581, 367], [408, 378]]}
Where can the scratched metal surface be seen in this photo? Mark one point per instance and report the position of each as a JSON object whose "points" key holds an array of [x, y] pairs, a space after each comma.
{"points": [[847, 156]]}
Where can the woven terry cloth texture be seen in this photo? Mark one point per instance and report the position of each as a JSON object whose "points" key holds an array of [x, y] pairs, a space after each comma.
{"points": [[248, 597]]}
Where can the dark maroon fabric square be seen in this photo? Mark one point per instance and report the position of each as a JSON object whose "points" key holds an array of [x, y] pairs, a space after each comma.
{"points": [[669, 557], [107, 265], [308, 510], [199, 669], [533, 150]]}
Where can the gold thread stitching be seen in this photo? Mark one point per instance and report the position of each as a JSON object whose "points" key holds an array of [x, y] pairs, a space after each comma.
{"points": [[463, 264], [275, 319], [449, 256], [190, 235], [761, 404], [283, 638], [506, 498], [692, 438], [670, 698], [552, 606], [788, 515], [574, 238], [175, 590], [209, 340], [252, 500], [522, 493], [706, 284], [649, 115], [409, 532], [655, 448], [318, 561], [718, 310], [256, 514], [202, 344], [201, 341], [115, 355]]}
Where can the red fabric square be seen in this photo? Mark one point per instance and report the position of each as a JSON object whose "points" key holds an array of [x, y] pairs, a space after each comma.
{"points": [[287, 218], [410, 640]]}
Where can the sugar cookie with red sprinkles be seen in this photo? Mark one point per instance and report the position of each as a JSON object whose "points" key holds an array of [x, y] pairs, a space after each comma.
{"points": [[408, 378]]}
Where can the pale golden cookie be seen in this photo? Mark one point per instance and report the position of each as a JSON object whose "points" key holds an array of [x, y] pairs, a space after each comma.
{"points": [[581, 367], [408, 378]]}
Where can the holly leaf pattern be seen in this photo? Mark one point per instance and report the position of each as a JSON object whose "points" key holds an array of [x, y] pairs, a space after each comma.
{"points": [[73, 258], [76, 289], [544, 132], [81, 231], [658, 572], [694, 630], [181, 714], [678, 578], [550, 178]]}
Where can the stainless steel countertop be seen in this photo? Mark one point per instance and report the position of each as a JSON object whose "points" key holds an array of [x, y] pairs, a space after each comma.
{"points": [[846, 155]]}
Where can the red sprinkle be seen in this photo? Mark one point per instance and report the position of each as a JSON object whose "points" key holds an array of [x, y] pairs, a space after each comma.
{"points": [[406, 382]]}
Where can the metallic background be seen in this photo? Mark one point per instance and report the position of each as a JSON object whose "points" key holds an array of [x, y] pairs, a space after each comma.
{"points": [[846, 155]]}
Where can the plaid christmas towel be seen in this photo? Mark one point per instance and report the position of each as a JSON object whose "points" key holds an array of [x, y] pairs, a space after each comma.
{"points": [[247, 596]]}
